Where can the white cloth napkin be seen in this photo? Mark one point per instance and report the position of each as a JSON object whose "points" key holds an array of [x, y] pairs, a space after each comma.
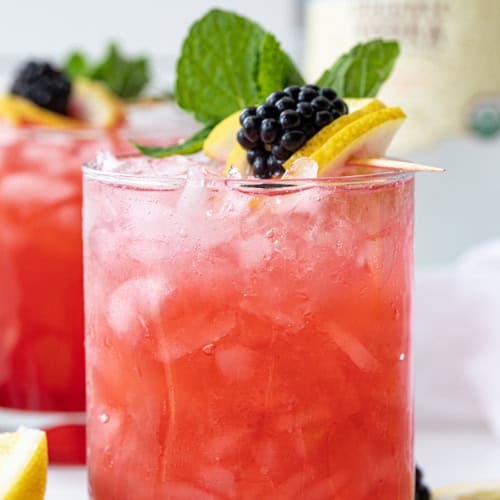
{"points": [[457, 341]]}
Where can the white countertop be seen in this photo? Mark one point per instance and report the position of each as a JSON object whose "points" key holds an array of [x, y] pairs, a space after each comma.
{"points": [[447, 456]]}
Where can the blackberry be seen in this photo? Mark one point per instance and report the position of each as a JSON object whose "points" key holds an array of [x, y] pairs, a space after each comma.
{"points": [[43, 85], [280, 126], [422, 492]]}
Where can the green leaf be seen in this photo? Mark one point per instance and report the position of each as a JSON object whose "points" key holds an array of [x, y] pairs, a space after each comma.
{"points": [[362, 71], [126, 77], [275, 68], [189, 146], [216, 72], [76, 65]]}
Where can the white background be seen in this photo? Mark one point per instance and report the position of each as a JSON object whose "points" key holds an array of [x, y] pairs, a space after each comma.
{"points": [[156, 27]]}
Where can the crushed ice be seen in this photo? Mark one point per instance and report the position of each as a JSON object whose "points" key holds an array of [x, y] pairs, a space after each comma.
{"points": [[303, 168]]}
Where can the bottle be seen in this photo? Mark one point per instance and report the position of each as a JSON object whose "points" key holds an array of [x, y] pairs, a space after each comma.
{"points": [[447, 80]]}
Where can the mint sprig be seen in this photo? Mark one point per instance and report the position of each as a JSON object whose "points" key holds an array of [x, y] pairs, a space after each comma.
{"points": [[229, 62], [126, 77], [217, 67], [275, 68], [187, 147], [362, 71]]}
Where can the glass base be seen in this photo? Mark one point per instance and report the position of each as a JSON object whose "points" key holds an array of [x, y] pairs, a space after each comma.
{"points": [[65, 431]]}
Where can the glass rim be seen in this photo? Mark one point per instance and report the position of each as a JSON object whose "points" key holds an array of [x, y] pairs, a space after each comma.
{"points": [[158, 181], [76, 132]]}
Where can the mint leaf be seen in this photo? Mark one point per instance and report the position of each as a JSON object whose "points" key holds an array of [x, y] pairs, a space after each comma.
{"points": [[362, 71], [76, 65], [216, 72], [275, 68], [126, 77], [189, 146]]}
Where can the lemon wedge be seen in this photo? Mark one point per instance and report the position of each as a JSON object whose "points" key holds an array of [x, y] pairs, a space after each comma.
{"points": [[356, 103], [20, 111], [95, 104], [357, 109], [369, 136], [481, 491], [23, 465], [222, 144], [237, 159], [221, 140]]}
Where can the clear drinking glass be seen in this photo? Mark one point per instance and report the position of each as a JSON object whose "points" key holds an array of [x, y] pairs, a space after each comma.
{"points": [[42, 381], [244, 338]]}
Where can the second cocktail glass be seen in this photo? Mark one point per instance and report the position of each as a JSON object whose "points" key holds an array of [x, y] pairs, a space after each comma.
{"points": [[42, 380]]}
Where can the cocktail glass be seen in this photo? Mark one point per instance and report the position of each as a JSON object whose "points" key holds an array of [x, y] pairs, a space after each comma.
{"points": [[42, 382], [245, 338]]}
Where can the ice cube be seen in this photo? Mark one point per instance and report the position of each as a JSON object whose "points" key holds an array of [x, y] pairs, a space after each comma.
{"points": [[234, 173], [255, 250], [303, 168], [135, 304], [194, 330], [192, 200], [226, 444], [107, 161], [104, 248], [219, 480], [27, 192], [183, 491], [352, 347], [236, 363]]}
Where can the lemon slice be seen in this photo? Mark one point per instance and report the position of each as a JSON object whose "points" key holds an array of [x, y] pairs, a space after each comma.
{"points": [[356, 103], [20, 111], [361, 107], [95, 104], [237, 159], [221, 140], [367, 137], [481, 491], [23, 465]]}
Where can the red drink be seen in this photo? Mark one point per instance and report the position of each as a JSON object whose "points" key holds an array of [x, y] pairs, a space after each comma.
{"points": [[41, 276], [247, 342]]}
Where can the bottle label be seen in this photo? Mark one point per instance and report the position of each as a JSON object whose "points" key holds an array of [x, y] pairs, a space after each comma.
{"points": [[448, 76]]}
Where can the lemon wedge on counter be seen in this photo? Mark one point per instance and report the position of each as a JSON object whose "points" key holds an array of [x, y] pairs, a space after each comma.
{"points": [[23, 465], [479, 491]]}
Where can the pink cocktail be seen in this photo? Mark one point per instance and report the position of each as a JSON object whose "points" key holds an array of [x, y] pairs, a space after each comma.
{"points": [[42, 380], [247, 339]]}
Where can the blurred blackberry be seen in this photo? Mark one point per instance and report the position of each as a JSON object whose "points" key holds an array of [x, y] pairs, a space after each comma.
{"points": [[422, 492], [44, 85], [276, 129]]}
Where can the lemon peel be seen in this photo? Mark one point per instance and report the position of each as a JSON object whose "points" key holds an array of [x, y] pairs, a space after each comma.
{"points": [[23, 465]]}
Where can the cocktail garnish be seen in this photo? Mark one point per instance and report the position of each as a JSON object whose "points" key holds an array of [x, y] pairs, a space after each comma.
{"points": [[44, 85], [80, 95], [275, 130], [388, 164], [125, 76], [229, 63]]}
